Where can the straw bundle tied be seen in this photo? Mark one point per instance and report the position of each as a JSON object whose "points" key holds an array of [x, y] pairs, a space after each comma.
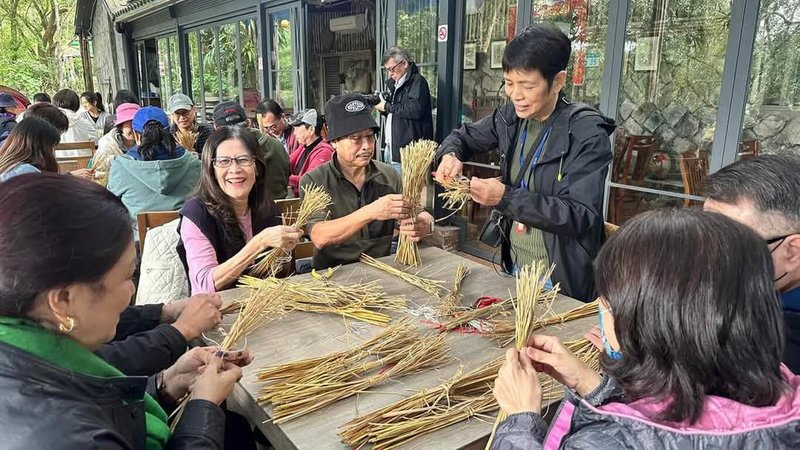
{"points": [[302, 398], [466, 317], [362, 301], [456, 192], [450, 303], [416, 159], [504, 330], [531, 281], [264, 305], [315, 199], [287, 379], [433, 287], [460, 398]]}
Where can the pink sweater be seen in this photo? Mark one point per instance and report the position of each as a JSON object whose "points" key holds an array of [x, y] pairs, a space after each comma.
{"points": [[201, 256]]}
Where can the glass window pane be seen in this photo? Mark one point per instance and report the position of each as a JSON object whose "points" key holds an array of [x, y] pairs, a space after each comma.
{"points": [[625, 203], [227, 53], [149, 76], [210, 71], [175, 65], [194, 66], [671, 81], [248, 34], [489, 26], [282, 63], [163, 68], [416, 32], [585, 22], [772, 122]]}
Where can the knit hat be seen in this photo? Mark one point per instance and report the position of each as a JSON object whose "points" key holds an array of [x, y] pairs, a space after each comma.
{"points": [[348, 114]]}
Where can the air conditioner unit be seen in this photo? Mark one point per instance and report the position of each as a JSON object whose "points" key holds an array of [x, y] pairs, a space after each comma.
{"points": [[349, 24]]}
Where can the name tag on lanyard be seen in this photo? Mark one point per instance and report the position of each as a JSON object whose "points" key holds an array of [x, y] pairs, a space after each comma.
{"points": [[520, 228]]}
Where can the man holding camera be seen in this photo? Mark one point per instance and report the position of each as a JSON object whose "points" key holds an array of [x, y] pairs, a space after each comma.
{"points": [[408, 105], [554, 158]]}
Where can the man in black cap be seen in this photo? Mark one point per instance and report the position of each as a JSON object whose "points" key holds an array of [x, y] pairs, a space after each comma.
{"points": [[367, 194], [277, 175]]}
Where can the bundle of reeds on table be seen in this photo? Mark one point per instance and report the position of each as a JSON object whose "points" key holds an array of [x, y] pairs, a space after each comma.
{"points": [[452, 301], [462, 397], [315, 200], [361, 301], [433, 287], [531, 282], [416, 159], [298, 399]]}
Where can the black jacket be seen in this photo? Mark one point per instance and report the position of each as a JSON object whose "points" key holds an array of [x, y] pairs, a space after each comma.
{"points": [[570, 178], [47, 407], [410, 107], [791, 356], [143, 345]]}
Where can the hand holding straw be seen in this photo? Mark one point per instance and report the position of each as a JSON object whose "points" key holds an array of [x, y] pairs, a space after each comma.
{"points": [[416, 158]]}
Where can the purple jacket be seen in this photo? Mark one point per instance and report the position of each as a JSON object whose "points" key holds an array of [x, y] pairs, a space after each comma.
{"points": [[599, 422]]}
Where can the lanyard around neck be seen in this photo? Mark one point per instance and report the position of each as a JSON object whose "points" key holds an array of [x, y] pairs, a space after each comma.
{"points": [[536, 156]]}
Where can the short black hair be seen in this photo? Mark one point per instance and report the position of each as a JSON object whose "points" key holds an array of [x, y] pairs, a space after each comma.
{"points": [[125, 96], [41, 97], [67, 99], [269, 106], [542, 48], [770, 182], [695, 311], [50, 113]]}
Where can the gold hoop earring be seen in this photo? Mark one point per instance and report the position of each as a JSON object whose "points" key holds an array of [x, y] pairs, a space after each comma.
{"points": [[67, 329]]}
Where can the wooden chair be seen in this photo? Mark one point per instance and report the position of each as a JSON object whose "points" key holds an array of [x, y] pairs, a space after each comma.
{"points": [[78, 152], [609, 229], [632, 157], [67, 165], [288, 206], [152, 219], [694, 169], [749, 149]]}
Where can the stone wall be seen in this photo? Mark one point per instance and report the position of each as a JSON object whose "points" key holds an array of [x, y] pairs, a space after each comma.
{"points": [[677, 128], [777, 128]]}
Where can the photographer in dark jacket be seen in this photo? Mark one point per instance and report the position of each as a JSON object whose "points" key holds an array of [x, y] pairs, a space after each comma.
{"points": [[408, 108], [554, 160]]}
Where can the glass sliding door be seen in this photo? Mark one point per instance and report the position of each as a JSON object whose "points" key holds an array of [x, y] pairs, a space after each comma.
{"points": [[286, 57]]}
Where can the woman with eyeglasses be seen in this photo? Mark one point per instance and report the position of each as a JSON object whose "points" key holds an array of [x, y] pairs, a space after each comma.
{"points": [[692, 344], [231, 219], [155, 174]]}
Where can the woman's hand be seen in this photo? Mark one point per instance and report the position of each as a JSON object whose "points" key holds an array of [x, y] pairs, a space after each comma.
{"points": [[216, 381], [550, 356], [86, 174], [195, 315], [517, 387], [280, 236], [181, 376]]}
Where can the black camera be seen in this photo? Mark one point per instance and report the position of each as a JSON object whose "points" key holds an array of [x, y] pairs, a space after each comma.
{"points": [[374, 99]]}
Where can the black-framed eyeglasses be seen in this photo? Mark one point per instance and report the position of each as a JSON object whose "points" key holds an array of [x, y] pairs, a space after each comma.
{"points": [[778, 239], [392, 69], [225, 161]]}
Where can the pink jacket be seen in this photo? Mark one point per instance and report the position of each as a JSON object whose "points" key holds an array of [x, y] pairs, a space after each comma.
{"points": [[320, 154]]}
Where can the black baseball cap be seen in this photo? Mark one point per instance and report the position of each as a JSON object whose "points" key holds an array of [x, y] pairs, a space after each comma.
{"points": [[348, 114], [228, 113]]}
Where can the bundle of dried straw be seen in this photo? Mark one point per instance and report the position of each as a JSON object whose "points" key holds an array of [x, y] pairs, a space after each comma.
{"points": [[531, 281], [433, 287], [187, 139], [362, 301], [450, 303], [315, 200], [456, 192], [504, 331], [302, 398], [416, 159]]}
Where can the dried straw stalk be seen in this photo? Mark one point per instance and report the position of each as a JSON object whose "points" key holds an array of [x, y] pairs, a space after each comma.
{"points": [[473, 314], [456, 193], [504, 330], [433, 287], [531, 281], [450, 303], [187, 139], [307, 397], [358, 301], [415, 159], [315, 199]]}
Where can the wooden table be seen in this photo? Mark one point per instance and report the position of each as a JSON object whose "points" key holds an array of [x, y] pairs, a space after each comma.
{"points": [[302, 335]]}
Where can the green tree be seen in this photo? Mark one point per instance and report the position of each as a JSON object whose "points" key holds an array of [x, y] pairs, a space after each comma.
{"points": [[33, 38]]}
